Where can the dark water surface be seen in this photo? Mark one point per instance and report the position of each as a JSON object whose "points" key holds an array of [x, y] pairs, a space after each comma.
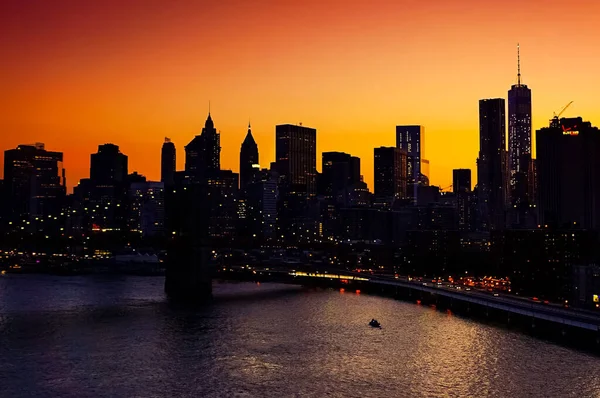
{"points": [[117, 337]]}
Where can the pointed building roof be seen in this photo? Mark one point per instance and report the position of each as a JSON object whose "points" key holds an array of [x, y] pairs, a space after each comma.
{"points": [[249, 140], [209, 122]]}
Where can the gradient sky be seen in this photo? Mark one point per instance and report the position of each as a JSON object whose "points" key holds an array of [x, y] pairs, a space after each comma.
{"points": [[75, 74]]}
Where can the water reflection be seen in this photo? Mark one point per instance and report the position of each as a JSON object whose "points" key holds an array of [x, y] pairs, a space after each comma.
{"points": [[95, 337]]}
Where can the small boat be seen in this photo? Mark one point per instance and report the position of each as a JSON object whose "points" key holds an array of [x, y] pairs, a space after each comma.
{"points": [[374, 323]]}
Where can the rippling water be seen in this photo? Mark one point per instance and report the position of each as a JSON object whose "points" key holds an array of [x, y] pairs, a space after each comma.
{"points": [[117, 337]]}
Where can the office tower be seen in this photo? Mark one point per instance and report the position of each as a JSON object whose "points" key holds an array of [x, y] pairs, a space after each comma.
{"points": [[461, 180], [412, 140], [248, 160], [568, 171], [519, 138], [296, 154], [168, 163], [34, 182], [296, 157], [461, 186], [203, 153], [492, 163], [222, 199], [339, 171], [261, 214], [390, 174], [108, 187], [147, 211], [108, 165]]}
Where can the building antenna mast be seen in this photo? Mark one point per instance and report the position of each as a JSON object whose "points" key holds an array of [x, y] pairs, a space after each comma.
{"points": [[518, 65]]}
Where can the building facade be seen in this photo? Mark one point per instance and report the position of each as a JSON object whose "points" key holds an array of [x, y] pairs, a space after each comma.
{"points": [[412, 140], [568, 170], [492, 164], [34, 182], [168, 163]]}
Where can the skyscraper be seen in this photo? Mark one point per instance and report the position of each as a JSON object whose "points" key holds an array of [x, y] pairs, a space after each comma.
{"points": [[107, 189], [461, 180], [412, 140], [492, 163], [147, 208], [568, 169], [296, 154], [339, 170], [34, 181], [168, 163], [390, 174], [519, 139], [203, 153], [108, 165], [248, 160]]}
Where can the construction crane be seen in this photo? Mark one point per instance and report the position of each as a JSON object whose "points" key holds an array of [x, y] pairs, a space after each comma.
{"points": [[554, 122]]}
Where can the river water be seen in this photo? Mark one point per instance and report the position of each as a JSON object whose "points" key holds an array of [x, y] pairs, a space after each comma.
{"points": [[118, 337]]}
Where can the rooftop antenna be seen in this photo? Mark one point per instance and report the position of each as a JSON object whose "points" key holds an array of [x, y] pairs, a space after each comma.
{"points": [[209, 107], [518, 65]]}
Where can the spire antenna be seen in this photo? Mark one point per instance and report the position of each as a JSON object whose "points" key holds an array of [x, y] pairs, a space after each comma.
{"points": [[209, 107], [518, 65]]}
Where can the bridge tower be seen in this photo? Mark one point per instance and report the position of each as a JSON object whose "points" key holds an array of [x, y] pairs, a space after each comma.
{"points": [[188, 276]]}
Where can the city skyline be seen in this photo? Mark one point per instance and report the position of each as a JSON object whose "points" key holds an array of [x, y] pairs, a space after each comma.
{"points": [[130, 87]]}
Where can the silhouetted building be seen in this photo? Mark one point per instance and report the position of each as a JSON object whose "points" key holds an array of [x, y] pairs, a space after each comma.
{"points": [[248, 160], [390, 174], [568, 169], [540, 262], [491, 164], [135, 177], [168, 163], [222, 200], [339, 171], [519, 140], [261, 205], [147, 208], [412, 140], [107, 198], [296, 153], [203, 153], [108, 165], [461, 186], [461, 180], [34, 182]]}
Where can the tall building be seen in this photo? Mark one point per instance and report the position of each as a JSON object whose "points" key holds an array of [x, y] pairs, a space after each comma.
{"points": [[461, 180], [492, 163], [107, 190], [339, 170], [262, 195], [390, 174], [168, 163], [203, 153], [34, 182], [147, 208], [461, 186], [412, 140], [248, 160], [222, 199], [296, 154], [108, 165], [568, 172], [519, 138]]}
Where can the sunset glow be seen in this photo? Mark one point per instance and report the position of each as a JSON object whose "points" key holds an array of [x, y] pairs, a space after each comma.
{"points": [[76, 74]]}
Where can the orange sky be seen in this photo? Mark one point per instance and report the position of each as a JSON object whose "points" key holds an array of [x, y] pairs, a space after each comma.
{"points": [[75, 74]]}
